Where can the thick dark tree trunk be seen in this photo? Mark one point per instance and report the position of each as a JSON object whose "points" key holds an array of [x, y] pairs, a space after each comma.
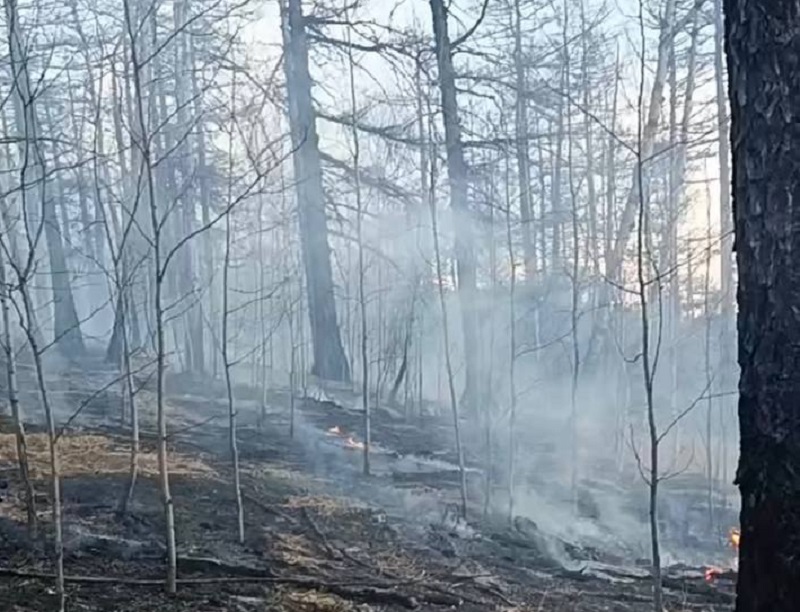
{"points": [[763, 47], [330, 362]]}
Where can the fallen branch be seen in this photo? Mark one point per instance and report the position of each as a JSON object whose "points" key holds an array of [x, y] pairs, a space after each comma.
{"points": [[338, 553], [693, 586], [13, 573], [332, 550], [350, 590], [211, 564], [374, 594]]}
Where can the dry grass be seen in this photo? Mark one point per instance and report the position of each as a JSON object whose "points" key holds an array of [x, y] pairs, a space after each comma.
{"points": [[324, 505], [295, 550], [316, 601], [396, 563], [93, 454], [287, 475]]}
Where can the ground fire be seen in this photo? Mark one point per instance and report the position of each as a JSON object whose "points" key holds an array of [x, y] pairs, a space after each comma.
{"points": [[350, 442], [713, 572], [734, 537]]}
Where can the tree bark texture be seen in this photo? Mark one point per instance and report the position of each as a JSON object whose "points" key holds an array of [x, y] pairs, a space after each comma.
{"points": [[763, 50]]}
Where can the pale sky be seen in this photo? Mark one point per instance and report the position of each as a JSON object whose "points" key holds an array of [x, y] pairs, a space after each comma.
{"points": [[264, 39]]}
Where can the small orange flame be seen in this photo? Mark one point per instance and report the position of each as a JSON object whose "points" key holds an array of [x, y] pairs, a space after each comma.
{"points": [[734, 536], [351, 442], [711, 573]]}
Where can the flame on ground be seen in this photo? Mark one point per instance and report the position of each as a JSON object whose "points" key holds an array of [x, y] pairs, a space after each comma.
{"points": [[712, 572], [351, 442]]}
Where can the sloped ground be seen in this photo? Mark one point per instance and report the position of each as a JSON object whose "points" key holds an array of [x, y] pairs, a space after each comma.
{"points": [[312, 543]]}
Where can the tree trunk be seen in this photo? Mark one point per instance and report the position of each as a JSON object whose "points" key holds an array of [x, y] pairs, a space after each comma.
{"points": [[330, 361], [593, 252], [446, 335], [647, 144], [723, 129], [726, 364], [128, 388], [183, 67], [575, 288], [764, 87], [10, 212], [156, 223], [55, 465], [556, 212], [457, 175], [362, 298], [13, 401], [512, 362], [207, 241], [522, 148], [232, 411]]}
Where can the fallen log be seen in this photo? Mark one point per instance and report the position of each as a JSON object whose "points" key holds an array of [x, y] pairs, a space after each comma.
{"points": [[694, 586], [211, 564]]}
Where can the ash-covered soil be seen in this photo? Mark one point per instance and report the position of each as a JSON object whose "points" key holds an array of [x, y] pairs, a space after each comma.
{"points": [[319, 535]]}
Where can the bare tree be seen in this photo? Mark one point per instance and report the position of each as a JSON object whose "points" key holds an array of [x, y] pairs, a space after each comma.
{"points": [[34, 173], [143, 143], [226, 361], [13, 401], [522, 146], [330, 361], [459, 201], [362, 300], [440, 282]]}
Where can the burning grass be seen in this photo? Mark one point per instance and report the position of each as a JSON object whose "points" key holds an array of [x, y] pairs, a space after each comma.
{"points": [[349, 440], [93, 454], [713, 572]]}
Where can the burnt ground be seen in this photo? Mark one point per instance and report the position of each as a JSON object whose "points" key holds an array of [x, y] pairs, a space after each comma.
{"points": [[319, 535]]}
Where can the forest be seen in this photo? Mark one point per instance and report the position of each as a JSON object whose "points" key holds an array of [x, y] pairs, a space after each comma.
{"points": [[399, 304]]}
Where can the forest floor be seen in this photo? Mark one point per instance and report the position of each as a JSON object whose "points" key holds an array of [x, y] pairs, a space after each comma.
{"points": [[320, 536]]}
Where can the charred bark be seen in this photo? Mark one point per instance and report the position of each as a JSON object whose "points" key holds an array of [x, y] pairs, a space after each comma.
{"points": [[762, 46]]}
